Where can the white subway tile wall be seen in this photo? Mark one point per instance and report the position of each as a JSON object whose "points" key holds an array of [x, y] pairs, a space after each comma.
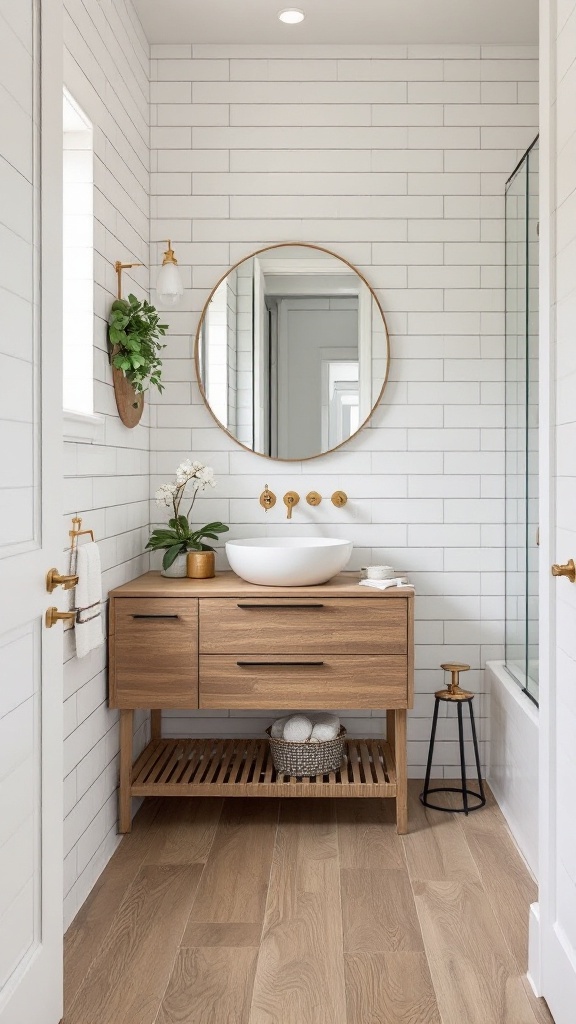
{"points": [[396, 158], [107, 483]]}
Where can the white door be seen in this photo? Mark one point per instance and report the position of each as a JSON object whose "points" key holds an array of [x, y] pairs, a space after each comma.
{"points": [[557, 889], [30, 512]]}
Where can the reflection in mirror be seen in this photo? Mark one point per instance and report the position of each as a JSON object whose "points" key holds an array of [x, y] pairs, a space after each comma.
{"points": [[292, 352]]}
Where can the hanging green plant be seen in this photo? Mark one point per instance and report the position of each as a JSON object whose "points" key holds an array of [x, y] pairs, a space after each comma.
{"points": [[134, 330]]}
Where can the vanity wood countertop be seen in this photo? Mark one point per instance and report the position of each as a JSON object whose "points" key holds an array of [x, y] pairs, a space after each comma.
{"points": [[228, 584]]}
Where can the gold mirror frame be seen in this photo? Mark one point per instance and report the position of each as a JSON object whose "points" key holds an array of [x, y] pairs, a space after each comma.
{"points": [[258, 252]]}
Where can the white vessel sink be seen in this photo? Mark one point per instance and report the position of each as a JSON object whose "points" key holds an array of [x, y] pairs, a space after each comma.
{"points": [[288, 561]]}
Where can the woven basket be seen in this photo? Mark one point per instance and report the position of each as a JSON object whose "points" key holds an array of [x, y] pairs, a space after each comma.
{"points": [[307, 758]]}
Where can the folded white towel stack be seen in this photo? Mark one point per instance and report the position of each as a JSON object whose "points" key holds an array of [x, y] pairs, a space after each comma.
{"points": [[88, 630], [400, 581]]}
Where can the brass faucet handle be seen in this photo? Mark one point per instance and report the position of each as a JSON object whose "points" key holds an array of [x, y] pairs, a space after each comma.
{"points": [[313, 498], [267, 498], [55, 579], [568, 570], [339, 499], [291, 499]]}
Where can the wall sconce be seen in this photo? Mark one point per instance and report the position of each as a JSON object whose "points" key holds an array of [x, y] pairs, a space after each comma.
{"points": [[169, 287]]}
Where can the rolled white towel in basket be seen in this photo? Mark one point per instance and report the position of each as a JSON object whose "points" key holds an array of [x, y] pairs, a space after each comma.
{"points": [[298, 729], [326, 727], [277, 728]]}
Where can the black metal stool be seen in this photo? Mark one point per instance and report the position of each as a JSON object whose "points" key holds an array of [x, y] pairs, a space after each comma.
{"points": [[459, 697]]}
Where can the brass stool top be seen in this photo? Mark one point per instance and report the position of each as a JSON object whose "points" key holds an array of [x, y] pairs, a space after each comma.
{"points": [[454, 693]]}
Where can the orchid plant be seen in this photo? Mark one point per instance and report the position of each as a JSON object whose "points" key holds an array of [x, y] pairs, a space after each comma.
{"points": [[178, 536]]}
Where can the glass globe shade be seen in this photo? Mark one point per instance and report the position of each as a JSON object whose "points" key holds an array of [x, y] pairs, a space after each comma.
{"points": [[169, 287]]}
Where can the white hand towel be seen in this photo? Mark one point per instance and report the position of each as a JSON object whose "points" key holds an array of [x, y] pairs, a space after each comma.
{"points": [[298, 729], [88, 629], [401, 581]]}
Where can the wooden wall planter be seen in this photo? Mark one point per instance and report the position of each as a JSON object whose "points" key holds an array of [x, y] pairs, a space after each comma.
{"points": [[130, 404]]}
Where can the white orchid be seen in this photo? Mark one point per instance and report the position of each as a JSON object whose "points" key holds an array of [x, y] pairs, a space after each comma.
{"points": [[177, 535], [206, 477], [201, 475], [165, 495], [184, 472]]}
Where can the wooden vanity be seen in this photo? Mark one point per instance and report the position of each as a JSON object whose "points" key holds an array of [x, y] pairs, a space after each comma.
{"points": [[226, 644]]}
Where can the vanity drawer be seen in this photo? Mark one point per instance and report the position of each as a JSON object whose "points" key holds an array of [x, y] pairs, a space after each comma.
{"points": [[154, 656], [322, 681], [301, 626]]}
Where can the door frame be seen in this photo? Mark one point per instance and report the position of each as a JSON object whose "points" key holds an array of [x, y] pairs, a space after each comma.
{"points": [[541, 918], [51, 421], [547, 971]]}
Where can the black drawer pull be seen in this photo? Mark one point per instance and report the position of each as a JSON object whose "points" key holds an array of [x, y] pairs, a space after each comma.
{"points": [[274, 606], [155, 616], [244, 664]]}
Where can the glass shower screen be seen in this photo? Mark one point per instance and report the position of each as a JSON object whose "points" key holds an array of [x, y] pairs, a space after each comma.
{"points": [[522, 422]]}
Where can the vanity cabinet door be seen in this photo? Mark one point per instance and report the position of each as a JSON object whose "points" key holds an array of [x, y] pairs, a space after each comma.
{"points": [[154, 653], [304, 626], [296, 682]]}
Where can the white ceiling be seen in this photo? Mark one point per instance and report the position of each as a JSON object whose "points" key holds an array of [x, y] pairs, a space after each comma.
{"points": [[340, 21]]}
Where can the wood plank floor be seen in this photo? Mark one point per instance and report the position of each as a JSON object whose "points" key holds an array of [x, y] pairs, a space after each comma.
{"points": [[305, 912]]}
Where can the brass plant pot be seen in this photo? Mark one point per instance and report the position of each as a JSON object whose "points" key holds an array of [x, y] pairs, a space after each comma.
{"points": [[200, 565]]}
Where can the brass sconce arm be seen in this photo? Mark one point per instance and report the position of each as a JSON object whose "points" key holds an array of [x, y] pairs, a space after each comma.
{"points": [[119, 267]]}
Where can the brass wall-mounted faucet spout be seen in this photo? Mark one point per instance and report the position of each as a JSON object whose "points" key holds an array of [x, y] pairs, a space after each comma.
{"points": [[291, 499]]}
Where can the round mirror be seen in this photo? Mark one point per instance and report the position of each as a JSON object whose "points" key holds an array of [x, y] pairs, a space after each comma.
{"points": [[292, 351]]}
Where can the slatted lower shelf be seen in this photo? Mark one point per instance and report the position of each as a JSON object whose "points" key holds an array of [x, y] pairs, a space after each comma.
{"points": [[238, 767]]}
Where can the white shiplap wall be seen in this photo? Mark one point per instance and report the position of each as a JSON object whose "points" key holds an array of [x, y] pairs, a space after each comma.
{"points": [[106, 69], [396, 158]]}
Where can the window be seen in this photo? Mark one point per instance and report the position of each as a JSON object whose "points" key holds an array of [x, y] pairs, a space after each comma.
{"points": [[78, 226]]}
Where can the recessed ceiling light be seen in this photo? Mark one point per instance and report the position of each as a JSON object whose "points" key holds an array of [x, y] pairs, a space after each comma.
{"points": [[291, 16]]}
